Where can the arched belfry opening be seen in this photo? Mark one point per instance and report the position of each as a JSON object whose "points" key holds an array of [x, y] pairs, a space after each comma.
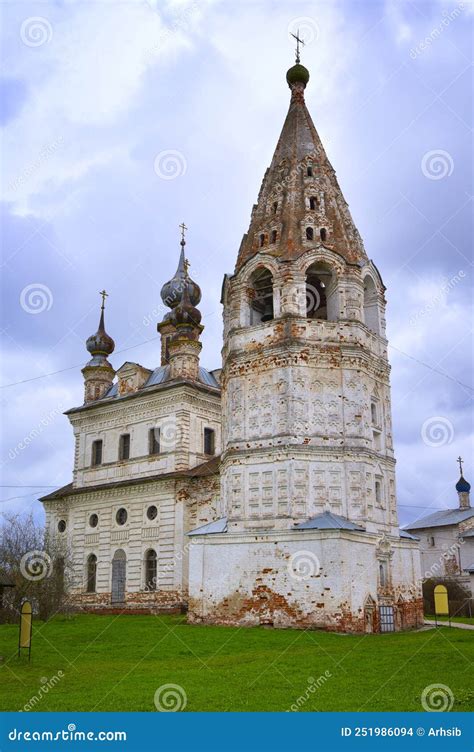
{"points": [[261, 296], [321, 293], [371, 306]]}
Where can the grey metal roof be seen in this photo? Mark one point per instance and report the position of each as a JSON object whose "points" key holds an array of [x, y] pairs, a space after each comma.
{"points": [[467, 533], [404, 534], [328, 521], [162, 374], [218, 526], [469, 568], [442, 518]]}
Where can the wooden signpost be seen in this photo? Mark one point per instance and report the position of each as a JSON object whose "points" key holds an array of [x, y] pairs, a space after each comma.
{"points": [[26, 626]]}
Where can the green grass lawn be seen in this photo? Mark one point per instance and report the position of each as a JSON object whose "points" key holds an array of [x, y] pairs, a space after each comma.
{"points": [[460, 619], [118, 662]]}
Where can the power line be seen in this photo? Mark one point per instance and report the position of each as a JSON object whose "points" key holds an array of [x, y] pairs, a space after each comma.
{"points": [[154, 339], [431, 368], [70, 368]]}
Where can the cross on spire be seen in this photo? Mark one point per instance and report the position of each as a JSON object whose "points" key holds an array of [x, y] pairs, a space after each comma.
{"points": [[298, 42], [183, 229], [104, 296], [460, 461]]}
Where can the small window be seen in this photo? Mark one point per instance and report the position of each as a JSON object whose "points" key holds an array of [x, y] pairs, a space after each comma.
{"points": [[275, 207], [150, 570], [121, 516], [431, 540], [309, 233], [152, 512], [378, 492], [274, 236], [209, 441], [91, 573], [262, 240], [373, 412], [383, 574], [313, 204], [309, 171], [154, 440], [93, 520], [96, 452], [124, 447], [62, 526], [322, 234]]}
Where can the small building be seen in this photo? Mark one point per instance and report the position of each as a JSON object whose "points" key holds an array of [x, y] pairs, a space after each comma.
{"points": [[447, 550]]}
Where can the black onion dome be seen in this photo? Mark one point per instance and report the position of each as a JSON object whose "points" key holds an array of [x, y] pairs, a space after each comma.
{"points": [[172, 291], [100, 343], [185, 313], [463, 486]]}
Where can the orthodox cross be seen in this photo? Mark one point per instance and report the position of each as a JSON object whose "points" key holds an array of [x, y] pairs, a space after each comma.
{"points": [[183, 229], [298, 42], [460, 461], [104, 296]]}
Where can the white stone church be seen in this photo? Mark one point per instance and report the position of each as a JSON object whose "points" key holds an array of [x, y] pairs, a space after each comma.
{"points": [[262, 492]]}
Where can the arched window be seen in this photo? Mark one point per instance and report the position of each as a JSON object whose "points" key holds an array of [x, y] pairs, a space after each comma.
{"points": [[373, 413], [371, 307], [383, 574], [309, 171], [262, 240], [91, 573], [313, 204], [261, 296], [150, 570], [322, 234], [273, 236], [275, 207], [321, 293], [309, 233]]}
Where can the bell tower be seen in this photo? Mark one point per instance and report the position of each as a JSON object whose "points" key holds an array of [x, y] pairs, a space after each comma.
{"points": [[306, 393]]}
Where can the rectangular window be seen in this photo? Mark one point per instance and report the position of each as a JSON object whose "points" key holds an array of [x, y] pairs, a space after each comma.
{"points": [[96, 452], [124, 447], [154, 441], [209, 441], [431, 540]]}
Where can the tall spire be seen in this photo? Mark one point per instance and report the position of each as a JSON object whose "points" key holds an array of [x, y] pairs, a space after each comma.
{"points": [[300, 203], [98, 373]]}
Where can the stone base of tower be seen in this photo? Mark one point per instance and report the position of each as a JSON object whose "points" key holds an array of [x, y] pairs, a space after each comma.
{"points": [[306, 579]]}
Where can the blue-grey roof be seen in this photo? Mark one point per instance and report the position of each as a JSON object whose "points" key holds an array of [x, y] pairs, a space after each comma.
{"points": [[467, 533], [328, 521], [404, 534], [162, 374], [442, 518], [469, 568], [218, 526]]}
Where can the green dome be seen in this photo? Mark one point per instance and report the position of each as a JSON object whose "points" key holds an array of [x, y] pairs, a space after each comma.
{"points": [[297, 74]]}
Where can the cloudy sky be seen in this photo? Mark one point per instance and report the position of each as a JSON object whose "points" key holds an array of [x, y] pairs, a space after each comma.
{"points": [[122, 118]]}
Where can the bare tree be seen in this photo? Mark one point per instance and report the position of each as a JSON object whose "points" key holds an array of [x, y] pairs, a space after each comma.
{"points": [[37, 567]]}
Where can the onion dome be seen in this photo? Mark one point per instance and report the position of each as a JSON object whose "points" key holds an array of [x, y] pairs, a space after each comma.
{"points": [[185, 314], [462, 486], [297, 74], [100, 343], [172, 291]]}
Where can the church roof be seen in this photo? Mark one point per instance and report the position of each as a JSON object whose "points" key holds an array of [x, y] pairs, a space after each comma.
{"points": [[328, 521], [205, 469], [218, 526], [161, 375], [298, 171], [404, 534], [442, 518], [468, 533]]}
